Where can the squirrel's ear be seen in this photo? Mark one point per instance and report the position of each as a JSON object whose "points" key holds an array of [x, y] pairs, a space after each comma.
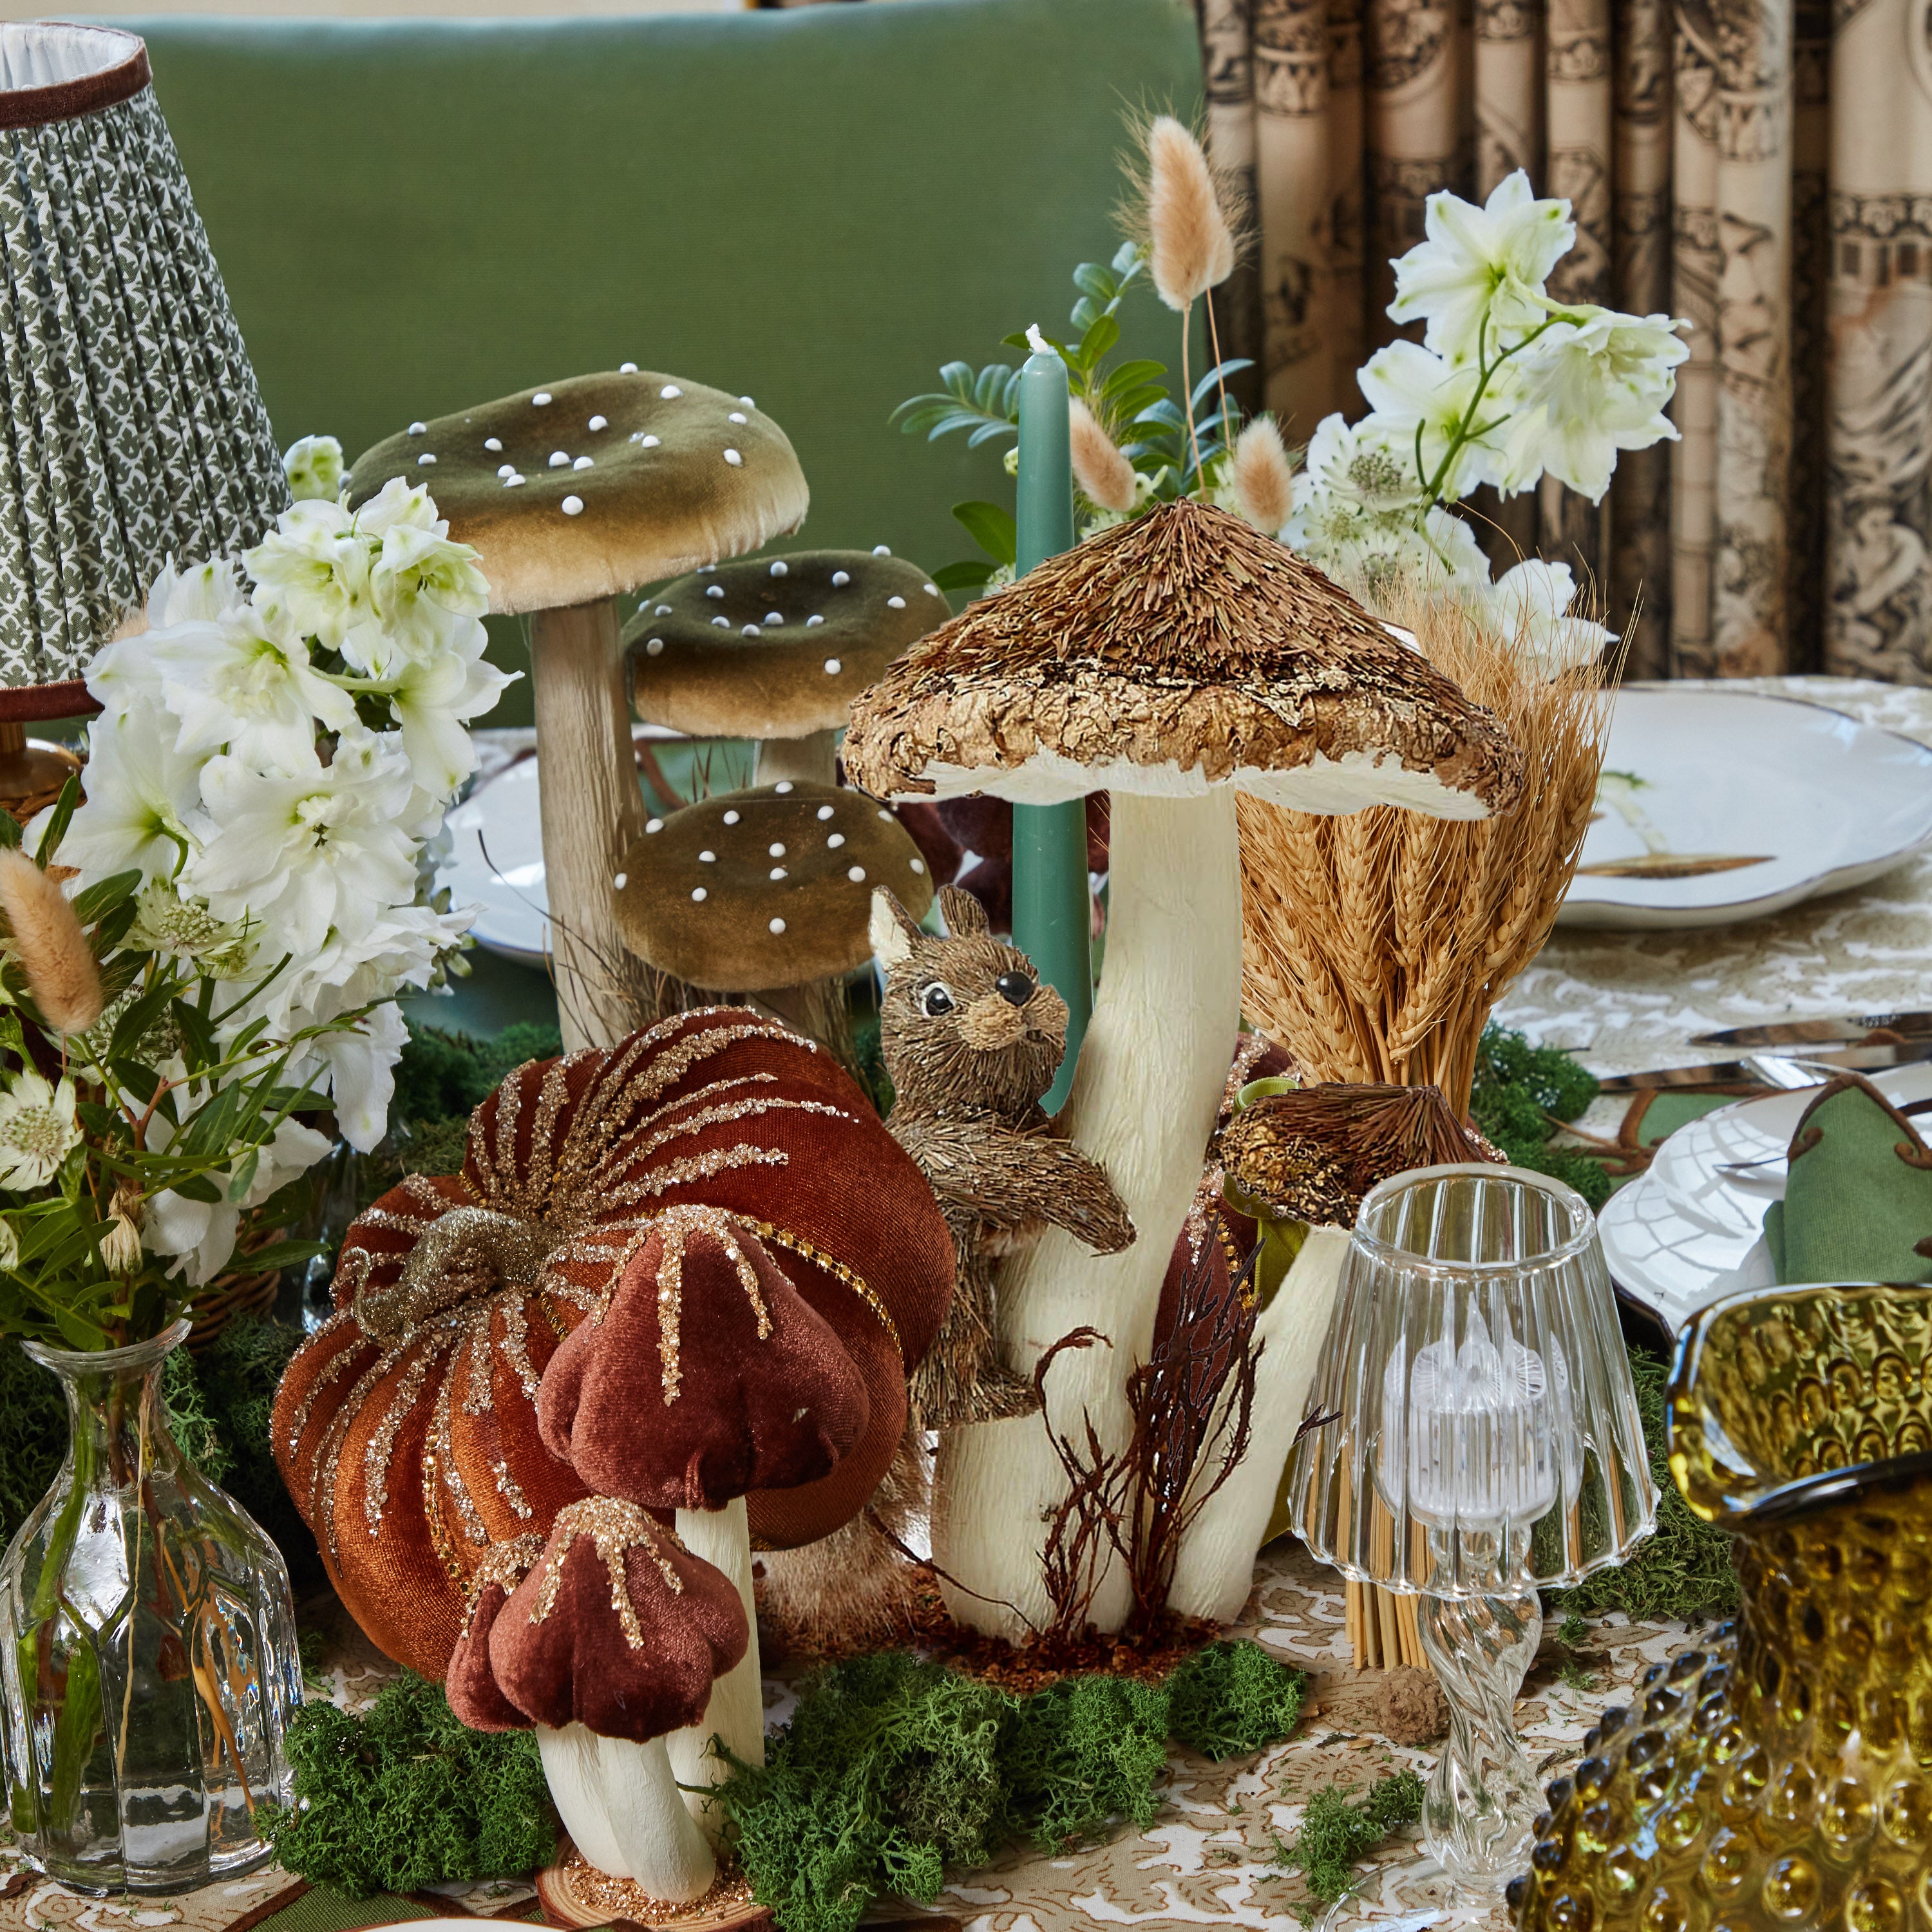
{"points": [[965, 916], [892, 930]]}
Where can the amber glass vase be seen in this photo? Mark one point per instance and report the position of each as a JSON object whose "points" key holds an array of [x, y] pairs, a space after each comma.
{"points": [[1782, 1778]]}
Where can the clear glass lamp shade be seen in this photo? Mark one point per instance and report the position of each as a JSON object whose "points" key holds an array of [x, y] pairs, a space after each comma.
{"points": [[1482, 1436]]}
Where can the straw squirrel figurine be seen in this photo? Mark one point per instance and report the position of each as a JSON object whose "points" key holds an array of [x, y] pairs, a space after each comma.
{"points": [[972, 1038]]}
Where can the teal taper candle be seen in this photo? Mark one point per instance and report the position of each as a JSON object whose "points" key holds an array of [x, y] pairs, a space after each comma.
{"points": [[1050, 919]]}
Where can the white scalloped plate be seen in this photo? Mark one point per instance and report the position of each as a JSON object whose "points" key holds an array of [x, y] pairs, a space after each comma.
{"points": [[1817, 801]]}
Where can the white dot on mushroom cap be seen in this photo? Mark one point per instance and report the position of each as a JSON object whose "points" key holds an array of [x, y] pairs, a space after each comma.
{"points": [[419, 429], [884, 814], [699, 893], [917, 864], [751, 631], [721, 623], [510, 482], [493, 442], [748, 402], [707, 858], [600, 422], [647, 442], [582, 463], [573, 506], [661, 610], [840, 578], [930, 589], [627, 368], [781, 569], [773, 617], [856, 875], [506, 469], [707, 570], [714, 590], [880, 550], [654, 647], [424, 458], [778, 925], [670, 389], [783, 786], [833, 667], [895, 603], [654, 825], [776, 851], [825, 811], [814, 619], [732, 457], [541, 396], [730, 818], [737, 416], [837, 839], [778, 871], [622, 880], [558, 458]]}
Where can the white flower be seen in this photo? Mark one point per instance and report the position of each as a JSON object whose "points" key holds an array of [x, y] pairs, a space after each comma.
{"points": [[202, 1232], [38, 1131], [358, 1067], [1527, 606], [141, 792], [314, 567], [306, 852], [203, 590], [314, 467], [421, 579], [1593, 383], [399, 502], [1408, 389], [183, 929], [244, 684], [430, 697], [1357, 466], [1481, 265], [401, 947]]}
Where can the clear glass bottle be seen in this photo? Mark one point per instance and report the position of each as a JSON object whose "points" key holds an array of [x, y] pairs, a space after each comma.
{"points": [[148, 1655]]}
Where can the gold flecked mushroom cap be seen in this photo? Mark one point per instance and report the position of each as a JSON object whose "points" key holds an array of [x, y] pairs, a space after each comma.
{"points": [[775, 647], [1181, 650], [587, 488], [753, 891]]}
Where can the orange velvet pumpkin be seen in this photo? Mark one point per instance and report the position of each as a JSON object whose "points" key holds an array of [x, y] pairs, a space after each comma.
{"points": [[406, 1428]]}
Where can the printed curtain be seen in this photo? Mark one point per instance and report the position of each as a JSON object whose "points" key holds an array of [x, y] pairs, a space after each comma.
{"points": [[1763, 167]]}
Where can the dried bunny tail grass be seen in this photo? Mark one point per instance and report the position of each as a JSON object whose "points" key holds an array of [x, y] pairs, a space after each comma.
{"points": [[1103, 473], [1262, 476], [1383, 939], [1183, 214], [53, 949]]}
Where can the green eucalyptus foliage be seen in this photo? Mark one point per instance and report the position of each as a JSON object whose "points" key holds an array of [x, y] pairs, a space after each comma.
{"points": [[1336, 1833], [406, 1797]]}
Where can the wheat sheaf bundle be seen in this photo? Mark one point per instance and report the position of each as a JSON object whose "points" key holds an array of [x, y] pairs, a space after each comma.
{"points": [[1374, 946]]}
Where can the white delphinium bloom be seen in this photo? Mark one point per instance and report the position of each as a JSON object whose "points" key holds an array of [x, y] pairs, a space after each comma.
{"points": [[141, 792], [357, 1070], [202, 1233], [432, 697], [38, 1130], [420, 581], [1419, 404], [1481, 266], [244, 684], [302, 853], [313, 566], [1528, 606], [314, 467], [1593, 383]]}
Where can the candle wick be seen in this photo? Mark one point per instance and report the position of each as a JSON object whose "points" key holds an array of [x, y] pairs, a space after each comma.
{"points": [[1037, 343]]}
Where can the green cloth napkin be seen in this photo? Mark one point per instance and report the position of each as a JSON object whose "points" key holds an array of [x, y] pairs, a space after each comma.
{"points": [[1858, 1204]]}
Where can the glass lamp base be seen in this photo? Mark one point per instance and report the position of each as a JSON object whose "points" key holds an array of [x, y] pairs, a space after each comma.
{"points": [[1482, 1796]]}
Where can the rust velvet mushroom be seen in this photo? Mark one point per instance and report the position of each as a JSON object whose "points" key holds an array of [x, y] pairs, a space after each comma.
{"points": [[573, 494]]}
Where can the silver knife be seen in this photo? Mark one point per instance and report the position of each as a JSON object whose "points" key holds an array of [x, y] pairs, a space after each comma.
{"points": [[1849, 1030], [1790, 1071]]}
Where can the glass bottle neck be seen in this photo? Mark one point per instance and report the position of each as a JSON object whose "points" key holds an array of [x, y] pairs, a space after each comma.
{"points": [[118, 1429]]}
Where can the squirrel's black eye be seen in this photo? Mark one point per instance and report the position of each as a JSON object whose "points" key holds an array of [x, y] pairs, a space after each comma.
{"points": [[935, 999]]}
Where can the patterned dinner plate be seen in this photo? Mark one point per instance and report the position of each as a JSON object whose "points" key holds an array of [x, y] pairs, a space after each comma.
{"points": [[1716, 806]]}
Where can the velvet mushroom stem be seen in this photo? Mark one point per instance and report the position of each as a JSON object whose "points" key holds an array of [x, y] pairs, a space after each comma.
{"points": [[705, 1376], [614, 1637], [775, 649], [1171, 661], [573, 495]]}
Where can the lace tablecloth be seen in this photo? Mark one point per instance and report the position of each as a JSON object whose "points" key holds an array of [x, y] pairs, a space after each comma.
{"points": [[1626, 1000]]}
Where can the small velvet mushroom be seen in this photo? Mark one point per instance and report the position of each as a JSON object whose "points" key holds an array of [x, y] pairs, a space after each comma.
{"points": [[471, 1683]]}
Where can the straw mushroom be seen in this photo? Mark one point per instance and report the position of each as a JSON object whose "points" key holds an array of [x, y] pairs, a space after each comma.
{"points": [[704, 1376], [612, 1639], [766, 892], [657, 475], [1171, 662], [775, 649]]}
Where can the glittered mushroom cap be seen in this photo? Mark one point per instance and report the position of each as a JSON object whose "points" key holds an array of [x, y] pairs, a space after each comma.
{"points": [[616, 1627], [767, 888], [705, 1375], [470, 1684], [586, 488], [1181, 650], [775, 647], [1311, 1154]]}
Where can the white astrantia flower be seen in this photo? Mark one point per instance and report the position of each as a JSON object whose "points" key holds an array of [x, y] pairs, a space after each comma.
{"points": [[314, 567], [314, 467], [1481, 267], [1408, 389], [185, 929], [38, 1130], [141, 792], [244, 684], [305, 852], [1357, 466], [1528, 606]]}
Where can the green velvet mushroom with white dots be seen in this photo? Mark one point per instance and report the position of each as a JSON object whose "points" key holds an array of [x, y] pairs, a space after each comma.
{"points": [[775, 649]]}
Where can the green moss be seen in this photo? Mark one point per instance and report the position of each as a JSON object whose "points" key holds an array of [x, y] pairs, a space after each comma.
{"points": [[1519, 1088], [406, 1797], [1336, 1834], [1233, 1698], [1084, 1752]]}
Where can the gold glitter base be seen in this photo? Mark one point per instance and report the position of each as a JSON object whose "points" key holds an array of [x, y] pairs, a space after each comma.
{"points": [[574, 1892]]}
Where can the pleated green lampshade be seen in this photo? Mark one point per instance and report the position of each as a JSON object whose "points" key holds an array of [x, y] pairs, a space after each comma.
{"points": [[131, 430]]}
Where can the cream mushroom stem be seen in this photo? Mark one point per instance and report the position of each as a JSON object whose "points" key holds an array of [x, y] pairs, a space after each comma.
{"points": [[814, 757], [592, 810], [620, 1804], [1143, 1103], [736, 1714]]}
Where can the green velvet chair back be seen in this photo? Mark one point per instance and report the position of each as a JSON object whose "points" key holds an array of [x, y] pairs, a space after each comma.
{"points": [[814, 207]]}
